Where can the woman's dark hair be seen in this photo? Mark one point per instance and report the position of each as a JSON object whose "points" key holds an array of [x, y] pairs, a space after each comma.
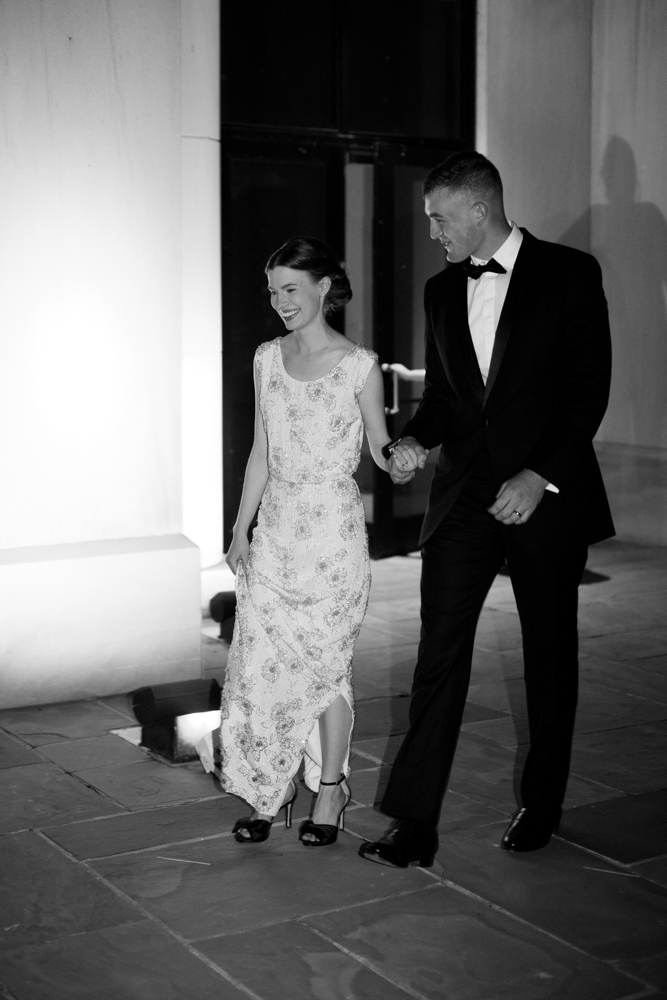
{"points": [[306, 253]]}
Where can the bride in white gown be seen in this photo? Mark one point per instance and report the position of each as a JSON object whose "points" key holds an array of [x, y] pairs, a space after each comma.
{"points": [[302, 585]]}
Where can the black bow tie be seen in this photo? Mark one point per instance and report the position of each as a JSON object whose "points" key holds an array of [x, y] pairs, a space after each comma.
{"points": [[474, 270]]}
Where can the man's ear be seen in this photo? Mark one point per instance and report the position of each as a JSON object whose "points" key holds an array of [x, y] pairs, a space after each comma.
{"points": [[480, 213]]}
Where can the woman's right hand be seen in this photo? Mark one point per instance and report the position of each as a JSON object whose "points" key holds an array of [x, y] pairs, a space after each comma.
{"points": [[238, 553]]}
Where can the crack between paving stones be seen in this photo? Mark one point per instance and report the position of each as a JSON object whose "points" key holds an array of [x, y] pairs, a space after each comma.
{"points": [[604, 857]]}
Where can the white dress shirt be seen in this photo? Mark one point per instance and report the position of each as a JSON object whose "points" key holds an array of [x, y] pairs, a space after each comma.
{"points": [[486, 297]]}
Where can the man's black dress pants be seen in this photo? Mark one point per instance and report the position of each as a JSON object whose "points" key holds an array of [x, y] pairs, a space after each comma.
{"points": [[459, 563]]}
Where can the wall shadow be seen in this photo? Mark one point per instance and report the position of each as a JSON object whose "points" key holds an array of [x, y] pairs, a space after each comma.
{"points": [[629, 239]]}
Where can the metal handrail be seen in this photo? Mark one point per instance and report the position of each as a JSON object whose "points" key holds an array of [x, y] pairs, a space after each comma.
{"points": [[400, 372]]}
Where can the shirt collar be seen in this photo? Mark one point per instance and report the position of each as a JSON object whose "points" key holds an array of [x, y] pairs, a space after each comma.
{"points": [[507, 254]]}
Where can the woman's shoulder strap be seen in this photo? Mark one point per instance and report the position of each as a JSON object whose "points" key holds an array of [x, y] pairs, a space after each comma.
{"points": [[264, 356]]}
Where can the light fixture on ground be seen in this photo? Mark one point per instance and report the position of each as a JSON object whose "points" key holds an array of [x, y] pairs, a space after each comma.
{"points": [[174, 717]]}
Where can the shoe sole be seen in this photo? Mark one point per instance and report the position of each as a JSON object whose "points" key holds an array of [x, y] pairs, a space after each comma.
{"points": [[423, 863], [525, 850]]}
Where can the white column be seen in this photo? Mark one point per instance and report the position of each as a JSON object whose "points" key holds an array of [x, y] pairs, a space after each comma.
{"points": [[99, 590], [201, 278]]}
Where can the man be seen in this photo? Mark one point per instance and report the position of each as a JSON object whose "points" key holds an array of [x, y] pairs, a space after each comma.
{"points": [[518, 364]]}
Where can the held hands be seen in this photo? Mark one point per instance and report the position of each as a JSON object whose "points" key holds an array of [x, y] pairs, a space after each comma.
{"points": [[238, 552], [518, 497], [407, 457]]}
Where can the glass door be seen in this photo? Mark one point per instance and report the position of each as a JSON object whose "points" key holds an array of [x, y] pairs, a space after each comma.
{"points": [[404, 257]]}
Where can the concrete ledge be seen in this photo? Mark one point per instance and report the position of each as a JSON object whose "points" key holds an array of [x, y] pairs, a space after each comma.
{"points": [[636, 481], [98, 618]]}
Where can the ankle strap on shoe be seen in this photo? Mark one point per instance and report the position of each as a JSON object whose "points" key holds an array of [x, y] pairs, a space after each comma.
{"points": [[342, 778]]}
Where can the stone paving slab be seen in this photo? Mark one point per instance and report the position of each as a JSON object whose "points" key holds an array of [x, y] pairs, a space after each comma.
{"points": [[366, 823], [507, 695], [78, 755], [291, 960], [605, 617], [637, 678], [498, 631], [395, 609], [380, 636], [149, 783], [44, 895], [137, 831], [630, 828], [627, 645], [368, 785], [484, 771], [73, 720], [238, 887], [656, 870], [137, 961], [487, 772], [368, 685], [441, 943], [181, 823], [14, 754], [381, 717], [599, 708], [651, 970], [632, 759], [651, 602], [496, 664], [459, 813], [37, 795], [383, 749], [617, 917], [367, 782]]}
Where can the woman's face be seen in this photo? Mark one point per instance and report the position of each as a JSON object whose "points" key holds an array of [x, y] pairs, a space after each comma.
{"points": [[297, 299]]}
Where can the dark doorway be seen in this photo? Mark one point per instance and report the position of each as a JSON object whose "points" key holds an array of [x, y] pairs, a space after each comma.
{"points": [[341, 157], [271, 191]]}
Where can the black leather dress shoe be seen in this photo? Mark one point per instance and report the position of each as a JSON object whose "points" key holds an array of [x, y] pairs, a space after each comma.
{"points": [[530, 830], [405, 843]]}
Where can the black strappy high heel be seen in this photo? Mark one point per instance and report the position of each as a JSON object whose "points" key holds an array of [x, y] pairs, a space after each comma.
{"points": [[325, 833], [260, 829]]}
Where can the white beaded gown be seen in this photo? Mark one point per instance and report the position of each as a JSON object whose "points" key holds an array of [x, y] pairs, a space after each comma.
{"points": [[303, 595]]}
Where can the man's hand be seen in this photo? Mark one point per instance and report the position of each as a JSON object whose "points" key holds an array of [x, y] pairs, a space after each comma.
{"points": [[407, 457], [400, 474], [518, 497]]}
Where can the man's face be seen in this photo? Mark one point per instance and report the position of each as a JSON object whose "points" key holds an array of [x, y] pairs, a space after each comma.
{"points": [[454, 222]]}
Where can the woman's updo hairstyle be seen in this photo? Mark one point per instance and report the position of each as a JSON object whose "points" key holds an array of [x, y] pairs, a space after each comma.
{"points": [[306, 253]]}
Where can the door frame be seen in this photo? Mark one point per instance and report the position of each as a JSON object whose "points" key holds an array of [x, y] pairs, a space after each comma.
{"points": [[387, 535]]}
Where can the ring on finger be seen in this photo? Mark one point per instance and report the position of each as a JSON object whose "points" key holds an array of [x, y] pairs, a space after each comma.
{"points": [[518, 512]]}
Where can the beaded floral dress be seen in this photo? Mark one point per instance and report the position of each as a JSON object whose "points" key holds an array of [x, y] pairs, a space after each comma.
{"points": [[303, 595]]}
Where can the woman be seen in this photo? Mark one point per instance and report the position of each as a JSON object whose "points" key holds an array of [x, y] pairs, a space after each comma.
{"points": [[302, 585]]}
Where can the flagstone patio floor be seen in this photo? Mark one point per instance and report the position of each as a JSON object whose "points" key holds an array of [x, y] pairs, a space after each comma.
{"points": [[119, 878]]}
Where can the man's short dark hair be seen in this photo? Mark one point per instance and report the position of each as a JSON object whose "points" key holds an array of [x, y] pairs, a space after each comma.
{"points": [[466, 172]]}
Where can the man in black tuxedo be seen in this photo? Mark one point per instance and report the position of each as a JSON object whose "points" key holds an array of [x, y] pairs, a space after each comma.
{"points": [[518, 365]]}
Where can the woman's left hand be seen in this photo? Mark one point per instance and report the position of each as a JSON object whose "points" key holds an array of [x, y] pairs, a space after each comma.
{"points": [[238, 553]]}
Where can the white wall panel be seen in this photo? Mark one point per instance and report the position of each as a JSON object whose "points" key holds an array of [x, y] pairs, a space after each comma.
{"points": [[95, 618], [90, 259], [200, 59], [534, 108], [629, 213], [201, 279]]}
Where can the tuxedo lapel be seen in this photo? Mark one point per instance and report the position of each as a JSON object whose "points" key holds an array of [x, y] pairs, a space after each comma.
{"points": [[462, 356], [522, 277]]}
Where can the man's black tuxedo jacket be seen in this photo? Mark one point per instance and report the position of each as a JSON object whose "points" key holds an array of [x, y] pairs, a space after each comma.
{"points": [[545, 396]]}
